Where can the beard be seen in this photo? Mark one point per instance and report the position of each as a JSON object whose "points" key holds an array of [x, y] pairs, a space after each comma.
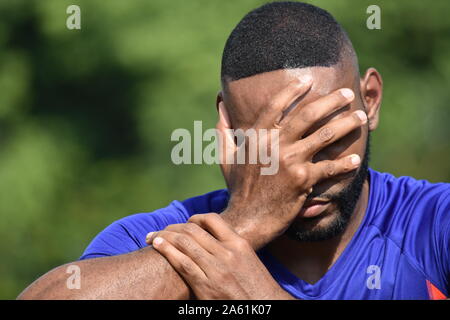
{"points": [[345, 200]]}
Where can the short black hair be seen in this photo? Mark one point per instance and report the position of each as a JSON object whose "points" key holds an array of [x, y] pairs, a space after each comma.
{"points": [[283, 35]]}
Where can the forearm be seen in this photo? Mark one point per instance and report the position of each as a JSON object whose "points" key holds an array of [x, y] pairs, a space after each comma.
{"points": [[143, 274]]}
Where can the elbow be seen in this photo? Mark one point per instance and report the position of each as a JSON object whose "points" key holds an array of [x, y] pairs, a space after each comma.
{"points": [[50, 286]]}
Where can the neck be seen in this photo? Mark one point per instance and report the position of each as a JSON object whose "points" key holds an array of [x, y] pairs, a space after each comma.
{"points": [[311, 260]]}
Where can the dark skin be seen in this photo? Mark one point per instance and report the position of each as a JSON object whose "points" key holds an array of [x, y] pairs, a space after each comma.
{"points": [[245, 100], [310, 260], [227, 242]]}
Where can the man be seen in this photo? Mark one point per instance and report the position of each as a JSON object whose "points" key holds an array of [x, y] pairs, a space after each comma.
{"points": [[325, 226]]}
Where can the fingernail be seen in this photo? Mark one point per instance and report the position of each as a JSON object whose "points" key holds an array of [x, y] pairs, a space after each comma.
{"points": [[355, 159], [347, 93], [157, 241], [361, 115], [149, 235]]}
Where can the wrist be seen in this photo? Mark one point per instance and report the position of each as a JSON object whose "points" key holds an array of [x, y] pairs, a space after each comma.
{"points": [[247, 228]]}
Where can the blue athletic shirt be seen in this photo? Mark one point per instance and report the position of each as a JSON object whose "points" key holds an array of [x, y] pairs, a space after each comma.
{"points": [[401, 250]]}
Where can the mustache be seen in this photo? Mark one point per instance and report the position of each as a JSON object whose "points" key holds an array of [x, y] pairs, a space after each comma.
{"points": [[321, 197], [324, 196]]}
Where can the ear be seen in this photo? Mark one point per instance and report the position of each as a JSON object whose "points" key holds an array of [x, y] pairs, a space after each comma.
{"points": [[226, 141], [219, 98], [371, 86], [224, 110]]}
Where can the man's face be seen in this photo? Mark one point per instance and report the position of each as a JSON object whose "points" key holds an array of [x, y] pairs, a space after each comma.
{"points": [[246, 98]]}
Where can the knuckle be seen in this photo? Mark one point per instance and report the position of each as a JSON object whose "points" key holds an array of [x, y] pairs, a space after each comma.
{"points": [[212, 216], [302, 174], [307, 146], [190, 228], [287, 157], [213, 219], [186, 267], [295, 83], [241, 245], [330, 169], [307, 115], [172, 227], [182, 240], [273, 106], [197, 254], [228, 256], [325, 134], [194, 218], [163, 234]]}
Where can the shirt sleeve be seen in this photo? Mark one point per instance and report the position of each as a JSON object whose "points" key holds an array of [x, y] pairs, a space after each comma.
{"points": [[442, 237], [128, 234], [113, 240]]}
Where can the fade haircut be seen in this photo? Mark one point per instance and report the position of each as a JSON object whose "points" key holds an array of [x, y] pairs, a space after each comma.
{"points": [[283, 35]]}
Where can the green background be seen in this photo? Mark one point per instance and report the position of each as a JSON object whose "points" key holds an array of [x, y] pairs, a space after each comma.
{"points": [[86, 115]]}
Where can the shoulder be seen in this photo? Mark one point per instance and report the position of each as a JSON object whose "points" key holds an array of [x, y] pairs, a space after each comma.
{"points": [[402, 202], [128, 234], [415, 215]]}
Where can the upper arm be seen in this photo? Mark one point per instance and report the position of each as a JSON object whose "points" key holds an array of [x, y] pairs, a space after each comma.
{"points": [[128, 234]]}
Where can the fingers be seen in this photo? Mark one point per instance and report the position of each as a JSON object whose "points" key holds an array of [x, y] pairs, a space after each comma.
{"points": [[215, 225], [184, 251], [299, 120], [274, 110], [306, 148], [202, 237], [330, 168], [183, 264]]}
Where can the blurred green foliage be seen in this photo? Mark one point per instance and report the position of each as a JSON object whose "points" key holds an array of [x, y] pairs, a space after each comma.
{"points": [[86, 115]]}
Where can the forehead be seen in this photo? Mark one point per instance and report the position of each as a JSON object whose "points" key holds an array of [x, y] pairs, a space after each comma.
{"points": [[247, 97]]}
